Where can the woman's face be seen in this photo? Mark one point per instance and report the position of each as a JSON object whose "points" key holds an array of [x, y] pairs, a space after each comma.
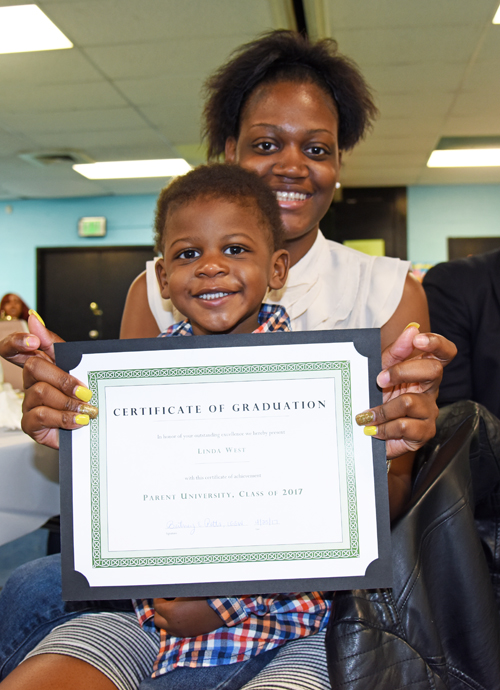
{"points": [[288, 136], [13, 307]]}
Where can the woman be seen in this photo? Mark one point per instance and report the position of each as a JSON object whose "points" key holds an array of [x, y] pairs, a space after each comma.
{"points": [[286, 109], [12, 308]]}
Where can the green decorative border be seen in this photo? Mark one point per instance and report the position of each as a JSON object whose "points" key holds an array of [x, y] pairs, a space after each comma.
{"points": [[206, 559]]}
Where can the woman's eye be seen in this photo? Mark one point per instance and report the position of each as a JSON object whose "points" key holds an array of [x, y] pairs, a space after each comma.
{"points": [[267, 146], [317, 150], [233, 250], [189, 254]]}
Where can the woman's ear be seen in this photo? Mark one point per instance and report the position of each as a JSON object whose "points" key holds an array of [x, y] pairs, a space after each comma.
{"points": [[161, 277], [280, 262], [230, 150]]}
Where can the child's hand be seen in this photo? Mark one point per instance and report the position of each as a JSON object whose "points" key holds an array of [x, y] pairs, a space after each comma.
{"points": [[186, 616]]}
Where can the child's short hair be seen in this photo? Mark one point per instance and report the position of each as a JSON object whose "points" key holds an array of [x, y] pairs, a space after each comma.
{"points": [[280, 56], [225, 182]]}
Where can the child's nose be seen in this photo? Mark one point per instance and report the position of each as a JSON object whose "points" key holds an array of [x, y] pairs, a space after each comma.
{"points": [[212, 265]]}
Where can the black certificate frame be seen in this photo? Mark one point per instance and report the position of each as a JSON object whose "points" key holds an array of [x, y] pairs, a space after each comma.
{"points": [[379, 572]]}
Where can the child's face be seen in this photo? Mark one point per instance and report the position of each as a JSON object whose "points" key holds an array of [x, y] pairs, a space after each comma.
{"points": [[218, 265]]}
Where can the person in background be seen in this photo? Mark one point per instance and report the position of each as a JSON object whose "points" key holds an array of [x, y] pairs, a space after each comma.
{"points": [[12, 308], [464, 305]]}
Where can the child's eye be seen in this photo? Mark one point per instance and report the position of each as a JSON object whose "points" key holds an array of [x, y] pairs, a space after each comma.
{"points": [[189, 254], [234, 250]]}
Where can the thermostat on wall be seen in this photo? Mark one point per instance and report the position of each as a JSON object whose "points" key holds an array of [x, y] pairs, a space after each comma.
{"points": [[92, 227]]}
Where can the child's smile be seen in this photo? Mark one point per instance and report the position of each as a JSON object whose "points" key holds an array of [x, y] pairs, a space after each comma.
{"points": [[218, 264]]}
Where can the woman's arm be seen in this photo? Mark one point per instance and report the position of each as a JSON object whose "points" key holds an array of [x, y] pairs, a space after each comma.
{"points": [[137, 319], [412, 371]]}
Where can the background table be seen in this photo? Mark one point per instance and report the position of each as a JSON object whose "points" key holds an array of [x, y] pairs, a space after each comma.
{"points": [[29, 488]]}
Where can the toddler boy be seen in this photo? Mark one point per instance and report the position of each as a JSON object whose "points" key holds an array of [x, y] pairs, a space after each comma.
{"points": [[220, 234]]}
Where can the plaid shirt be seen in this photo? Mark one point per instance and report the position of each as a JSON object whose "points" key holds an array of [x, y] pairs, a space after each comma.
{"points": [[272, 318], [249, 625]]}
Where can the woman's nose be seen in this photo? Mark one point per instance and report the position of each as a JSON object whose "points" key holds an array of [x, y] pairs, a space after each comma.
{"points": [[291, 162]]}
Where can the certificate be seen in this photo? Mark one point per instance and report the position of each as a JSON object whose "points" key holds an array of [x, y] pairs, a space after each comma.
{"points": [[224, 465]]}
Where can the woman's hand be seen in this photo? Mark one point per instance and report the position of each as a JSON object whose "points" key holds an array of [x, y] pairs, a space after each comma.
{"points": [[412, 371], [53, 399], [186, 616], [39, 342]]}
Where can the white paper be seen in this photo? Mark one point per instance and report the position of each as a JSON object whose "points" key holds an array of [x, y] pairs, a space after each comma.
{"points": [[224, 464]]}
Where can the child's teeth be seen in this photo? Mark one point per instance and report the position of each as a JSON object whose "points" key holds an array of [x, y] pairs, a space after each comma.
{"points": [[290, 196], [213, 295]]}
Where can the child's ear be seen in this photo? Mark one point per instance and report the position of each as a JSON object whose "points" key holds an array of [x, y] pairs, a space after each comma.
{"points": [[280, 262], [161, 276]]}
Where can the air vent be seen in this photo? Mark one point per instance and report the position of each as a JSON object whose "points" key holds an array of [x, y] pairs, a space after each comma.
{"points": [[67, 157]]}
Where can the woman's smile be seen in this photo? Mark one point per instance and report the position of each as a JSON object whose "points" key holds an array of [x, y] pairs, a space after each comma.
{"points": [[289, 137]]}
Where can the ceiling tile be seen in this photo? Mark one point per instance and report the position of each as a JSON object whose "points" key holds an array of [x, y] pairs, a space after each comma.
{"points": [[387, 46], [99, 120], [61, 97], [402, 13], [127, 21]]}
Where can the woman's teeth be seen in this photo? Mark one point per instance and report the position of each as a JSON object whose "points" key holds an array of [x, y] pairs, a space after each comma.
{"points": [[213, 295], [290, 196]]}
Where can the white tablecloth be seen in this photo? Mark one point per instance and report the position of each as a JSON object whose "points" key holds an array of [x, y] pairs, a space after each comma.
{"points": [[29, 488]]}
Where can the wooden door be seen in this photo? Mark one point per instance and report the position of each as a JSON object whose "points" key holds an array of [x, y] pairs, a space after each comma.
{"points": [[81, 292]]}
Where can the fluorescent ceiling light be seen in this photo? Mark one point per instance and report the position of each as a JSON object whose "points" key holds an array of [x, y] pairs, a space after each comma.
{"points": [[464, 158], [25, 28], [119, 170], [496, 18]]}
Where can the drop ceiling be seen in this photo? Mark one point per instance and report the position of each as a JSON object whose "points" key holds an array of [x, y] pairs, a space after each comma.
{"points": [[130, 88]]}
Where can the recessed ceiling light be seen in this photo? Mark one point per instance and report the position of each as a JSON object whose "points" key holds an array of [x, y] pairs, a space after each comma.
{"points": [[496, 18], [25, 28], [117, 170], [464, 158]]}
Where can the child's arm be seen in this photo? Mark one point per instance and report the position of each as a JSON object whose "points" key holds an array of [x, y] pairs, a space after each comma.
{"points": [[186, 616]]}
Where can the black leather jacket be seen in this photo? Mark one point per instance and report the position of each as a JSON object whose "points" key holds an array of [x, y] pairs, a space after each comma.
{"points": [[438, 628]]}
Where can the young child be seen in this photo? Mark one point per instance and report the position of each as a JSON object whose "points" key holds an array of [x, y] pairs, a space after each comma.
{"points": [[220, 233]]}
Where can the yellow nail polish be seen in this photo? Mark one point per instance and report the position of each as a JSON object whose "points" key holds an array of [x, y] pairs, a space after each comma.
{"points": [[32, 312], [89, 410], [82, 419], [413, 324], [29, 342], [83, 393], [365, 417], [370, 430]]}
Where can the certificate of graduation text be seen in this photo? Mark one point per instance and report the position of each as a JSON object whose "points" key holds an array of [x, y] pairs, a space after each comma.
{"points": [[211, 468]]}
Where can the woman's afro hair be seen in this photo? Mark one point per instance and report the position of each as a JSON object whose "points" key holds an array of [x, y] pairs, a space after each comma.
{"points": [[286, 56]]}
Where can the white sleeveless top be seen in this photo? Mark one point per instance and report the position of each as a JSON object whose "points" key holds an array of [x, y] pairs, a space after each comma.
{"points": [[332, 286]]}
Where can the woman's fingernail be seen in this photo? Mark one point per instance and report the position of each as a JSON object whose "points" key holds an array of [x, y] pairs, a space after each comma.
{"points": [[82, 393], [30, 342], [383, 379], [365, 417], [413, 324], [421, 340], [82, 419], [370, 430], [32, 312], [89, 410]]}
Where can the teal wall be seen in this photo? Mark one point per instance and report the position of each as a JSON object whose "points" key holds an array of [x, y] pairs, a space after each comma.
{"points": [[434, 214], [54, 223]]}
